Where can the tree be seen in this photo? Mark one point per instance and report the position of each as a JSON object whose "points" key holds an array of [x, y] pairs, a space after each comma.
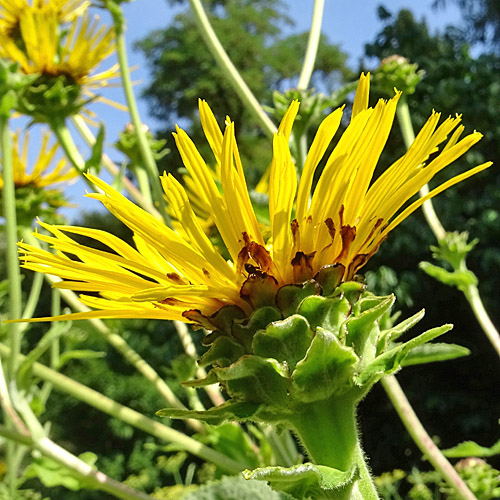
{"points": [[183, 70]]}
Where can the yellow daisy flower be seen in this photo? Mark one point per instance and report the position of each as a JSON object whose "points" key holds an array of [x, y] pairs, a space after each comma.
{"points": [[11, 10], [183, 276], [46, 173], [65, 57]]}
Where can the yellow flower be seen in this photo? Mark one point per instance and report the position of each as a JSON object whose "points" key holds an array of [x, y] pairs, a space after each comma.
{"points": [[11, 10], [64, 57], [173, 275], [45, 172]]}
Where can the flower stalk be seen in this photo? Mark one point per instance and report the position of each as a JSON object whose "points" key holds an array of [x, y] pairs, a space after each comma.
{"points": [[312, 45], [422, 438], [234, 77]]}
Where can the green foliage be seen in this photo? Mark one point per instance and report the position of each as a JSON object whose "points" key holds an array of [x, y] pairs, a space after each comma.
{"points": [[182, 71], [236, 489], [51, 474], [307, 481]]}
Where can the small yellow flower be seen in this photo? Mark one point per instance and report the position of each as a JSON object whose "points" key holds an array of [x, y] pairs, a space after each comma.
{"points": [[11, 10], [64, 57], [182, 275], [46, 172]]}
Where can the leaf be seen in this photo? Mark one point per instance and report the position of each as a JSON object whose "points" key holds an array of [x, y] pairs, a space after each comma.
{"points": [[390, 361], [472, 449], [395, 332], [51, 474], [460, 279], [79, 354], [230, 410], [305, 480], [236, 488], [429, 353]]}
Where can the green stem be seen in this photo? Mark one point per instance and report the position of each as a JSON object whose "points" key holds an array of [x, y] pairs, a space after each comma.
{"points": [[474, 299], [312, 45], [13, 270], [143, 181], [233, 76], [92, 477], [142, 140], [328, 431], [14, 276], [422, 438], [115, 340], [365, 486], [58, 126], [471, 292], [114, 170], [129, 416], [403, 114], [32, 302]]}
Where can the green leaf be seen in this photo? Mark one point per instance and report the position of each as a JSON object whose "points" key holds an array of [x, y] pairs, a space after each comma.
{"points": [[236, 488], [79, 354], [460, 279], [471, 449], [306, 480], [51, 474], [95, 160], [395, 332], [285, 340], [429, 353], [327, 368], [230, 410], [289, 297], [390, 361]]}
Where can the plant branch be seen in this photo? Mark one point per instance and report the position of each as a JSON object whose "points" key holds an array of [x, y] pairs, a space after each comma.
{"points": [[103, 403], [234, 77], [113, 169], [422, 438], [312, 45]]}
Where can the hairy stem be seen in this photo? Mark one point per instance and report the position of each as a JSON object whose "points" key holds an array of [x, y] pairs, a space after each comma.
{"points": [[422, 438], [312, 45], [234, 77]]}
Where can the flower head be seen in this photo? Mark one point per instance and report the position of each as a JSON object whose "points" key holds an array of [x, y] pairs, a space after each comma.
{"points": [[38, 182], [340, 224], [65, 58], [11, 11]]}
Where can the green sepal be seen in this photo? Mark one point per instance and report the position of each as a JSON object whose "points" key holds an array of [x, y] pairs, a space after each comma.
{"points": [[329, 278], [289, 297], [352, 290], [393, 333], [361, 328], [236, 488], [259, 290], [307, 480], [286, 340], [222, 352], [329, 313], [244, 331], [257, 380], [220, 322], [429, 353], [210, 379], [390, 361], [230, 410], [327, 368]]}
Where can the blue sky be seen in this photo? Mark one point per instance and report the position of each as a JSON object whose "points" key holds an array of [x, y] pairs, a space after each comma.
{"points": [[350, 24]]}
